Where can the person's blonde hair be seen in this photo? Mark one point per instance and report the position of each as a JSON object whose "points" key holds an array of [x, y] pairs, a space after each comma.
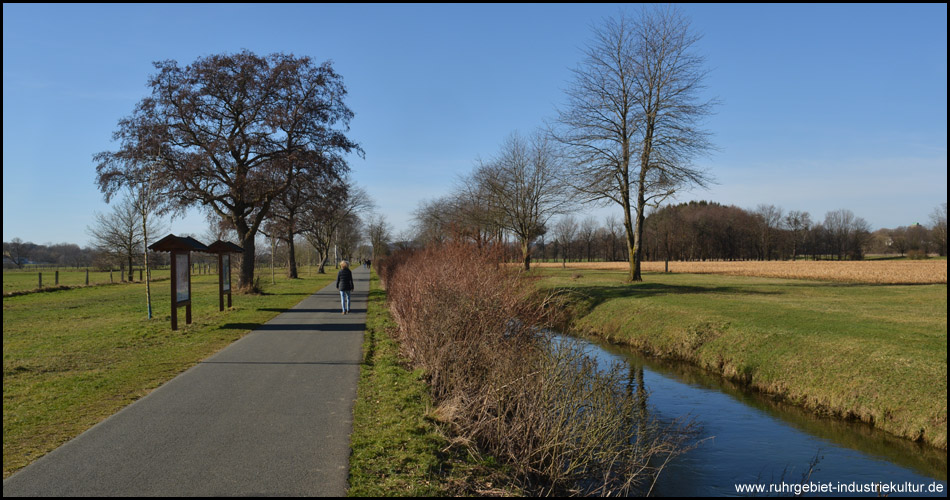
{"points": [[344, 264]]}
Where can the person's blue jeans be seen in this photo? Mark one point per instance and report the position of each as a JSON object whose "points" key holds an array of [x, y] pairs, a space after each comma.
{"points": [[345, 300]]}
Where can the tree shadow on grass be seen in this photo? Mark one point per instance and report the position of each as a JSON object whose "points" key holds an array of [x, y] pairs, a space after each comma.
{"points": [[596, 295]]}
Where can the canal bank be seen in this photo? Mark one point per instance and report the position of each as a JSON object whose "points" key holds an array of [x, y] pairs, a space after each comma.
{"points": [[748, 438], [854, 352]]}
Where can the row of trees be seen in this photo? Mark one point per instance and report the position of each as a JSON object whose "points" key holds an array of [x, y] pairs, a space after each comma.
{"points": [[702, 231], [711, 231], [20, 254], [626, 137]]}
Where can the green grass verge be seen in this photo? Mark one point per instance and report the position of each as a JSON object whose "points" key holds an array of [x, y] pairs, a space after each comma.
{"points": [[397, 449], [71, 358], [873, 352]]}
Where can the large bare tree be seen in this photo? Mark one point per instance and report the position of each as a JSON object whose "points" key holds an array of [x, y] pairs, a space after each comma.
{"points": [[525, 189], [235, 130], [631, 124]]}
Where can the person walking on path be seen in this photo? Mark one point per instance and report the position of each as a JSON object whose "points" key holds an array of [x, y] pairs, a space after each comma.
{"points": [[344, 283]]}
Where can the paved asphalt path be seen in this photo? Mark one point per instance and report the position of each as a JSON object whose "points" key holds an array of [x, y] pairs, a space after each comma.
{"points": [[270, 415]]}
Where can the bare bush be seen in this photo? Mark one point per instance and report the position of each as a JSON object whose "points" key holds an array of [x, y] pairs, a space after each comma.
{"points": [[543, 407]]}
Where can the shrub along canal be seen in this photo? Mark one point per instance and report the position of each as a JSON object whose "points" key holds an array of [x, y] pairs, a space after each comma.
{"points": [[747, 438]]}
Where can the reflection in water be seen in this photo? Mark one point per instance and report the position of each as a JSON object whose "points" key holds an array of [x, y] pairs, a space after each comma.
{"points": [[751, 438], [636, 384]]}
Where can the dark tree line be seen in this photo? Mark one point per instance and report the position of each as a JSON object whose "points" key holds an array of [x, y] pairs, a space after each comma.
{"points": [[701, 230], [710, 231], [18, 254]]}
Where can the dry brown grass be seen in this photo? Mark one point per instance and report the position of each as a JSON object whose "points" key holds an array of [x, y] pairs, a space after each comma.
{"points": [[867, 271]]}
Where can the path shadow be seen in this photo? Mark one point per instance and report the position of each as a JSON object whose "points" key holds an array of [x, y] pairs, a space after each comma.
{"points": [[348, 363], [335, 310], [299, 327]]}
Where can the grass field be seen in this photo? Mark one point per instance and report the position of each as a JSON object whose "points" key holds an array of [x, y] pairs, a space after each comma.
{"points": [[73, 357], [396, 449], [873, 352], [16, 281], [862, 271]]}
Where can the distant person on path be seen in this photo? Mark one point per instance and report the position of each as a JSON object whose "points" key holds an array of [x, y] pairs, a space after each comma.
{"points": [[344, 283], [369, 264]]}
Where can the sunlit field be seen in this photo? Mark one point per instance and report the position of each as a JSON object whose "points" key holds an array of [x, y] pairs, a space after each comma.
{"points": [[865, 271]]}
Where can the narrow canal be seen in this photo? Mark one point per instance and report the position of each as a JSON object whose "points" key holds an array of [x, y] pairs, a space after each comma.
{"points": [[748, 438]]}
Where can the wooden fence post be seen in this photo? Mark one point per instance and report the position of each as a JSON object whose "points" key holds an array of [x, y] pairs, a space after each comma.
{"points": [[87, 277], [41, 280]]}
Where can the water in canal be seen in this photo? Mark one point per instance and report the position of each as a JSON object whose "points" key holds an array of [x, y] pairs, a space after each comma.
{"points": [[748, 438]]}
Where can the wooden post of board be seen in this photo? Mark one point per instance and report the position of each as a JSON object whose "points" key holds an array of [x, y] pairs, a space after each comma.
{"points": [[188, 304], [174, 300]]}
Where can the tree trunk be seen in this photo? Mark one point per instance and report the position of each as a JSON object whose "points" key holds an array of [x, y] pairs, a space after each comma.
{"points": [[148, 272], [291, 257], [637, 257], [246, 279], [526, 255], [633, 273], [273, 256], [323, 262]]}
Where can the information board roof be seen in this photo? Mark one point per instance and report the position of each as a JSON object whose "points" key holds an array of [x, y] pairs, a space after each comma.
{"points": [[178, 243]]}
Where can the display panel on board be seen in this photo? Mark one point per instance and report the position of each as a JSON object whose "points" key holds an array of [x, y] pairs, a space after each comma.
{"points": [[226, 269], [181, 289]]}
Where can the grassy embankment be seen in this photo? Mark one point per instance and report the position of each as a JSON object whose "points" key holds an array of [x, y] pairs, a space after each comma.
{"points": [[873, 352], [397, 449], [71, 358]]}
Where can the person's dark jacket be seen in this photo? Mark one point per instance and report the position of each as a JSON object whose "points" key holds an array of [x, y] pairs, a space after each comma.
{"points": [[344, 280]]}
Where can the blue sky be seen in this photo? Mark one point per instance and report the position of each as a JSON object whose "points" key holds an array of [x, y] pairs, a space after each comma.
{"points": [[823, 106]]}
